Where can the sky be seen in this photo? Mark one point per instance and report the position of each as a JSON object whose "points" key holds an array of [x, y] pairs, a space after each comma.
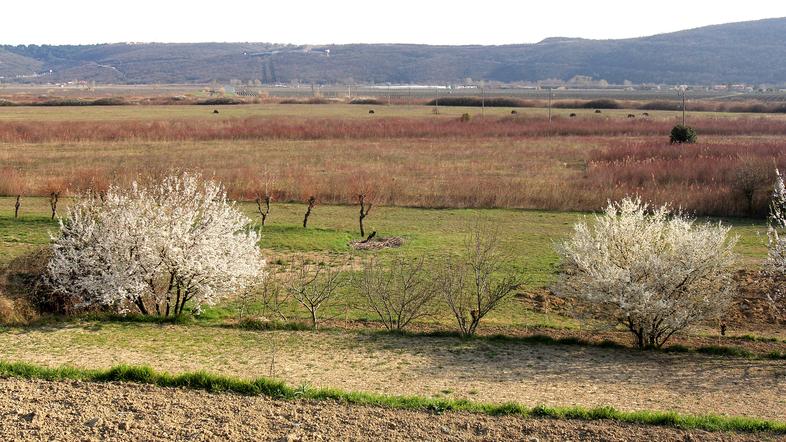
{"points": [[367, 21]]}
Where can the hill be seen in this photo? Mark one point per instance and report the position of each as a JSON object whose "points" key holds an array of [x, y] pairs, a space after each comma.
{"points": [[747, 52]]}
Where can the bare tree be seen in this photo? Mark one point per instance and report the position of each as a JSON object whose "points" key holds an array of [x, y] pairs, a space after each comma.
{"points": [[273, 295], [53, 198], [312, 286], [266, 211], [312, 201], [267, 297], [398, 293], [267, 182], [476, 284], [16, 206], [364, 210]]}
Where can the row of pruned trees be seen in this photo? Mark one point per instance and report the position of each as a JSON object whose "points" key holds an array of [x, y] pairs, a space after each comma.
{"points": [[397, 291], [263, 207]]}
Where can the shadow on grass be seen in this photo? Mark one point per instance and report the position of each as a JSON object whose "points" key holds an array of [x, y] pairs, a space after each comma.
{"points": [[95, 321]]}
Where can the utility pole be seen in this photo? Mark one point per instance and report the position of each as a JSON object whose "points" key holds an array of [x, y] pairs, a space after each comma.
{"points": [[681, 93], [683, 107], [349, 91], [388, 94]]}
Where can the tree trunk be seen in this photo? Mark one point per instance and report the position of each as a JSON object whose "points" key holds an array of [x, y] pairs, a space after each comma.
{"points": [[363, 212], [266, 212], [141, 305], [16, 207], [53, 203], [311, 202]]}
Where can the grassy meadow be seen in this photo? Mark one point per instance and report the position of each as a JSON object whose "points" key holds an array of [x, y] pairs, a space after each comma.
{"points": [[429, 177], [527, 238]]}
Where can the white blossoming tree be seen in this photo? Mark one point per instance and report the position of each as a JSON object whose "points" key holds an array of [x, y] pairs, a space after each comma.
{"points": [[775, 265], [156, 247], [653, 271]]}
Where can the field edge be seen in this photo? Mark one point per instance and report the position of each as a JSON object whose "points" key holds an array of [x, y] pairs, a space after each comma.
{"points": [[279, 390]]}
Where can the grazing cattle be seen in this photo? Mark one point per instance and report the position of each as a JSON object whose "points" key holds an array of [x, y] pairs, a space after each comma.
{"points": [[631, 116], [597, 111], [371, 111], [215, 111], [572, 115], [514, 112], [645, 114]]}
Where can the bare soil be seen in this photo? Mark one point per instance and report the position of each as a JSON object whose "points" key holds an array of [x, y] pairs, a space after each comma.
{"points": [[480, 370], [80, 411]]}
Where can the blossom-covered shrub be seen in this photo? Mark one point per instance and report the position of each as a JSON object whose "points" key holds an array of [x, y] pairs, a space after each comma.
{"points": [[775, 265], [156, 247], [654, 271]]}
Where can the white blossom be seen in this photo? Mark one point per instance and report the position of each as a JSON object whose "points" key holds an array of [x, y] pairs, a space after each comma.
{"points": [[654, 271], [156, 247], [775, 265]]}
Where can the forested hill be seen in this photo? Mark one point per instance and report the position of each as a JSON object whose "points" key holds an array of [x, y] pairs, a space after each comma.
{"points": [[747, 52]]}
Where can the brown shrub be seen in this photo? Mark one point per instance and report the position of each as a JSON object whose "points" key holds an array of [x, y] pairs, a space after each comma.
{"points": [[17, 311], [22, 283]]}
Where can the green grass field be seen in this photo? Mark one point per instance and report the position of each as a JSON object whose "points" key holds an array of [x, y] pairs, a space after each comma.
{"points": [[350, 353], [527, 237]]}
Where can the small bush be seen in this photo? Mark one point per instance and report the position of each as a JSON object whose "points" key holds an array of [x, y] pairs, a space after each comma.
{"points": [[477, 283], [478, 102], [611, 262], [219, 101], [601, 104], [398, 293], [16, 311], [22, 283], [110, 101], [683, 134], [367, 100]]}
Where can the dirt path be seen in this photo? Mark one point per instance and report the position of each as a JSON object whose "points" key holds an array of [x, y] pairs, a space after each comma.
{"points": [[77, 411], [485, 371]]}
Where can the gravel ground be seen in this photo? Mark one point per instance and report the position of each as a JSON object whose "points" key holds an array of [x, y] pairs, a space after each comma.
{"points": [[82, 411]]}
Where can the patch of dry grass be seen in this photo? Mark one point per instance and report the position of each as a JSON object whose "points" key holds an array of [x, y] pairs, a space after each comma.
{"points": [[481, 370]]}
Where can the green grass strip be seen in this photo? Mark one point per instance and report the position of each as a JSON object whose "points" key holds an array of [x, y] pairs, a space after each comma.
{"points": [[278, 390]]}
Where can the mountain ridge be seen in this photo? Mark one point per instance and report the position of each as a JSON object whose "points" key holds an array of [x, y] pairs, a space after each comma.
{"points": [[750, 52]]}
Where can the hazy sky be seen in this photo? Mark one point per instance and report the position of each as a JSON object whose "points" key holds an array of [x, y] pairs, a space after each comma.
{"points": [[367, 21]]}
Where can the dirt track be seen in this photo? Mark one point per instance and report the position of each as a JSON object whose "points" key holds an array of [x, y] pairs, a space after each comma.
{"points": [[78, 411]]}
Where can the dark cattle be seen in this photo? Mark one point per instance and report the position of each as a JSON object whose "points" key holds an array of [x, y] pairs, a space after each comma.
{"points": [[645, 114], [572, 115], [631, 116], [371, 111], [513, 112], [597, 111], [215, 111]]}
